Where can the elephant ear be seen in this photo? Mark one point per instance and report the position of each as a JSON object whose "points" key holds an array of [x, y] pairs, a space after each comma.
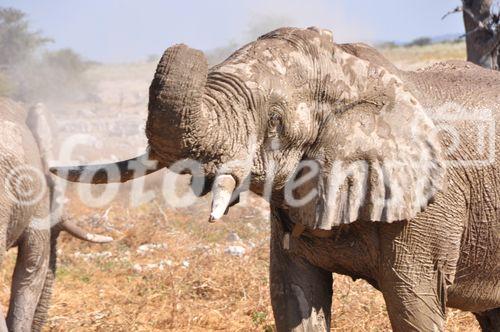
{"points": [[378, 161]]}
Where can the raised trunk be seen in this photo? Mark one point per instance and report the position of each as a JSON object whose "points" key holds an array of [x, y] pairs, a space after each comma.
{"points": [[176, 128], [195, 114], [208, 118]]}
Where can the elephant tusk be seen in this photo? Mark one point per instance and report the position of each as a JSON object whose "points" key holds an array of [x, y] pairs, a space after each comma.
{"points": [[81, 234], [122, 171], [222, 191]]}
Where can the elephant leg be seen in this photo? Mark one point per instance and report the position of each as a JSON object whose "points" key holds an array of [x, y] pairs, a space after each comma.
{"points": [[489, 320], [42, 308], [414, 308], [29, 278], [301, 294], [413, 286]]}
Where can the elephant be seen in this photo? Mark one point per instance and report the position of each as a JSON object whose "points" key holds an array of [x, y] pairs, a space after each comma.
{"points": [[29, 200], [371, 171]]}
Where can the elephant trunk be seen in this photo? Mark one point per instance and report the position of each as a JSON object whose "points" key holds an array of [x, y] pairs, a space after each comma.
{"points": [[175, 124], [192, 115]]}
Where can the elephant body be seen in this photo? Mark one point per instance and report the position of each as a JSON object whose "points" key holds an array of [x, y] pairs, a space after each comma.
{"points": [[448, 255], [456, 241], [370, 171], [24, 223], [477, 276], [29, 215]]}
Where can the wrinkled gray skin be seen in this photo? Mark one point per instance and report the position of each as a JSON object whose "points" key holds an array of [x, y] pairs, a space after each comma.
{"points": [[417, 226], [25, 143]]}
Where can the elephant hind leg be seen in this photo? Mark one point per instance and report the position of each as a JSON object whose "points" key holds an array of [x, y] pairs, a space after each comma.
{"points": [[42, 308], [489, 320], [29, 277]]}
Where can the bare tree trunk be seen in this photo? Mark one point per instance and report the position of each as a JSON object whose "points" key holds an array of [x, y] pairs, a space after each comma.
{"points": [[482, 33]]}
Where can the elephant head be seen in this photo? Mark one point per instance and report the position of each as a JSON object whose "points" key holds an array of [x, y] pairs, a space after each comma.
{"points": [[291, 107]]}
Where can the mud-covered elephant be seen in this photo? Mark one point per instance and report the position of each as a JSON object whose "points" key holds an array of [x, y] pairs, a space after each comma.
{"points": [[371, 172], [28, 201]]}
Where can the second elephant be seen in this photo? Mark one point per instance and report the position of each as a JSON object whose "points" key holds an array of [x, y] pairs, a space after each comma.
{"points": [[28, 202]]}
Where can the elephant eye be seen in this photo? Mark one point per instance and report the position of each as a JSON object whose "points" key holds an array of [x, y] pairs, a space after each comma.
{"points": [[274, 125]]}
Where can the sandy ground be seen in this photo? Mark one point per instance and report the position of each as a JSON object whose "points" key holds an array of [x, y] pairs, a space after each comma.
{"points": [[168, 268]]}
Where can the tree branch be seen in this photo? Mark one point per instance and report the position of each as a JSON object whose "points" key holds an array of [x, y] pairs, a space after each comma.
{"points": [[459, 9]]}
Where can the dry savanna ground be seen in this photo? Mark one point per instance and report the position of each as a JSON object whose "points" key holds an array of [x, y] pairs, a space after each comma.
{"points": [[169, 269]]}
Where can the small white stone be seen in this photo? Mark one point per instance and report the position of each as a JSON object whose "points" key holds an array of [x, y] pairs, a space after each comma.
{"points": [[93, 255], [185, 264], [144, 248], [235, 250]]}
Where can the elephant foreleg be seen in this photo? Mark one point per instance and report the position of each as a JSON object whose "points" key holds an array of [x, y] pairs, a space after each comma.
{"points": [[301, 294], [29, 278]]}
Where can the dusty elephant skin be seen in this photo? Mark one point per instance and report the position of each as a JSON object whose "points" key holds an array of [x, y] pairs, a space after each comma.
{"points": [[27, 201], [398, 201]]}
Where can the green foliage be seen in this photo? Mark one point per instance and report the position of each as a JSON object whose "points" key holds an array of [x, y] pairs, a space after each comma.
{"points": [[258, 317], [17, 42], [84, 278], [422, 41], [65, 59], [62, 272], [29, 74]]}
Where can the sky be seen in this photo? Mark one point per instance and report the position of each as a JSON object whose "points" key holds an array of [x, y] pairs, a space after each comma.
{"points": [[127, 30]]}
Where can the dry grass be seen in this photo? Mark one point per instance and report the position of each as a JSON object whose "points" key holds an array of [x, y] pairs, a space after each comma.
{"points": [[199, 286], [411, 58]]}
